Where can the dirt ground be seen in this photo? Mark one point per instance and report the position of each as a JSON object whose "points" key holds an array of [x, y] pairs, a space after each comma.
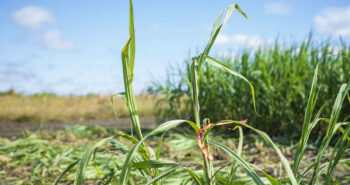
{"points": [[9, 130]]}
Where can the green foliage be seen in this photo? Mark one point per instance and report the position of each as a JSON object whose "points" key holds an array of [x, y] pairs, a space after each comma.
{"points": [[141, 165], [281, 75]]}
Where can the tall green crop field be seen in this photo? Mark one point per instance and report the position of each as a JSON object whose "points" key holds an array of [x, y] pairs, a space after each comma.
{"points": [[281, 75]]}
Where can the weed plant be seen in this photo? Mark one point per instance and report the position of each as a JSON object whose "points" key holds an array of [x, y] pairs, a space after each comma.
{"points": [[141, 164]]}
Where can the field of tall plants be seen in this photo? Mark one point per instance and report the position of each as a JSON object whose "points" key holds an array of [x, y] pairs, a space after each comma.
{"points": [[282, 78], [172, 154]]}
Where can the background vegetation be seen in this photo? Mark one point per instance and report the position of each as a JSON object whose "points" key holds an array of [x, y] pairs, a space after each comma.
{"points": [[281, 75], [43, 108]]}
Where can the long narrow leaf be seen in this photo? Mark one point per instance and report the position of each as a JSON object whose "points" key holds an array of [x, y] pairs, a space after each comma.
{"points": [[217, 28], [234, 168], [240, 161], [332, 127], [132, 42], [130, 158], [164, 174], [79, 178], [306, 125], [154, 164], [69, 167], [268, 140], [339, 149], [195, 177], [221, 66]]}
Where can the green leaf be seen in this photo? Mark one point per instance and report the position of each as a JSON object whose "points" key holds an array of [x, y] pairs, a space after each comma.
{"points": [[240, 161], [164, 174], [65, 171], [307, 121], [339, 149], [132, 35], [217, 28], [130, 158], [79, 178], [154, 164], [331, 130], [218, 170], [113, 104], [272, 180], [268, 140], [234, 168], [221, 66], [195, 177], [194, 126]]}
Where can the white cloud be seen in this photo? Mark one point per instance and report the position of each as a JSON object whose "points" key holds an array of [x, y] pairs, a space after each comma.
{"points": [[227, 54], [32, 17], [222, 39], [334, 21], [11, 75], [52, 40], [241, 40], [277, 8]]}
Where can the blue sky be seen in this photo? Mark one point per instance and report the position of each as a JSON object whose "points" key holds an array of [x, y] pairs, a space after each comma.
{"points": [[73, 47]]}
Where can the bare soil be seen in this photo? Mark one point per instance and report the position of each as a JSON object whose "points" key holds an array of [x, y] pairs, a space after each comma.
{"points": [[10, 130]]}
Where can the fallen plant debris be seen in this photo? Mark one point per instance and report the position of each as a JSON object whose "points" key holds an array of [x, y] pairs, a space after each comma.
{"points": [[50, 152]]}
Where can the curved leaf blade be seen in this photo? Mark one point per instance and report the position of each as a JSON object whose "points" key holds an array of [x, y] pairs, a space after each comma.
{"points": [[130, 158], [240, 161], [221, 66], [154, 164]]}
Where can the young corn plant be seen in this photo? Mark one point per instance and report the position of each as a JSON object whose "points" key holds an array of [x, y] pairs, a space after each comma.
{"points": [[141, 165], [323, 161]]}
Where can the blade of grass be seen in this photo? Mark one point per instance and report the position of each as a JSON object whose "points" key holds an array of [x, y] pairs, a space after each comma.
{"points": [[217, 28], [123, 179], [268, 140], [330, 131], [154, 164], [164, 174], [156, 171], [95, 164], [240, 161], [195, 177], [129, 93], [216, 173], [306, 125], [234, 167], [221, 66], [132, 42], [272, 180], [128, 57], [69, 167], [79, 178], [339, 149]]}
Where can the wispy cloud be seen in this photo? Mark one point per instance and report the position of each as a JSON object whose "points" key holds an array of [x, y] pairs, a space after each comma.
{"points": [[11, 75], [52, 40], [32, 17], [277, 8], [334, 21], [242, 40]]}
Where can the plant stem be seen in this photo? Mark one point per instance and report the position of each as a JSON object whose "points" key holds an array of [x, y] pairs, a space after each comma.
{"points": [[196, 108]]}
